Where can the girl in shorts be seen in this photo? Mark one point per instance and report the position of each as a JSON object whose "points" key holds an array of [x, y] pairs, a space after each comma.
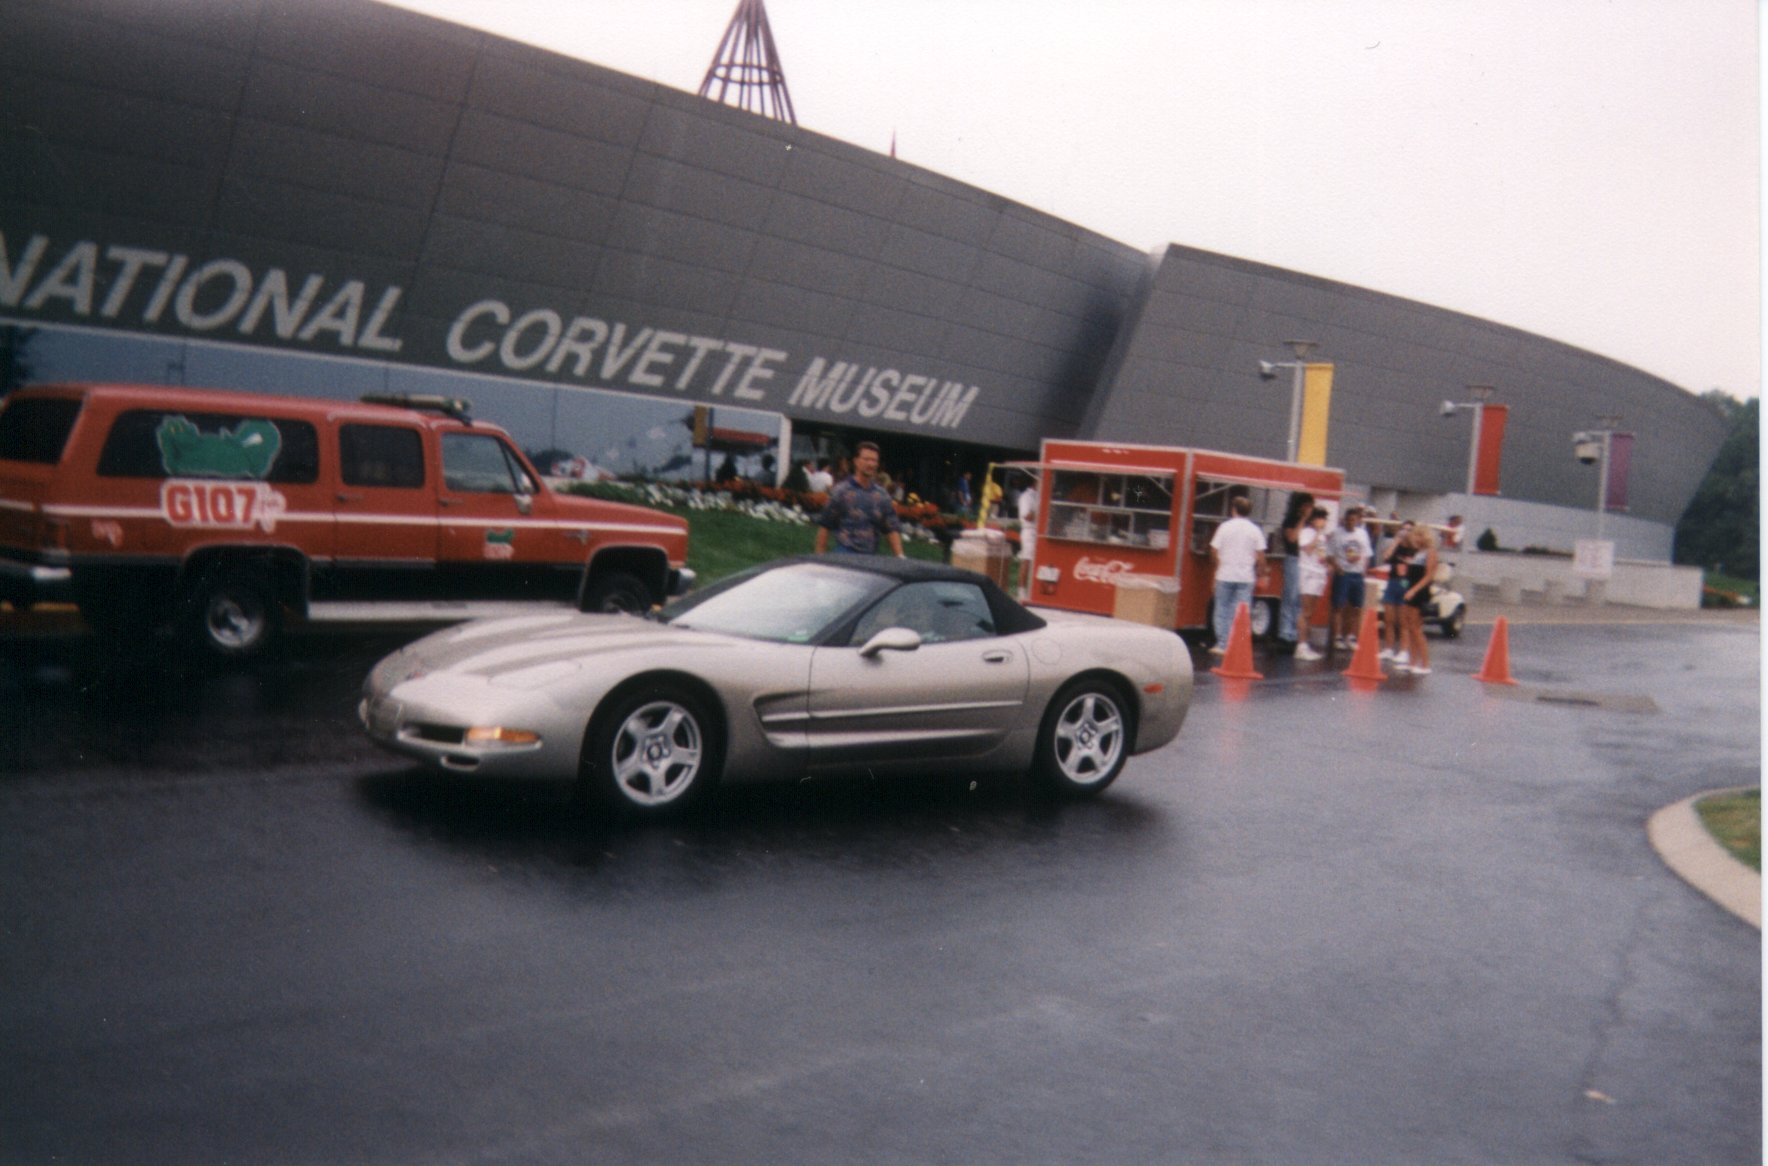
{"points": [[1419, 573], [1397, 554]]}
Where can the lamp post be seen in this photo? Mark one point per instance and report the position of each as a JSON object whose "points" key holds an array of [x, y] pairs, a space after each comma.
{"points": [[1480, 394], [1592, 447], [1298, 367]]}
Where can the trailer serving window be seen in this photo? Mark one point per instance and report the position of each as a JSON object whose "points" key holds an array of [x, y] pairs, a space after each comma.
{"points": [[1117, 507], [1210, 509]]}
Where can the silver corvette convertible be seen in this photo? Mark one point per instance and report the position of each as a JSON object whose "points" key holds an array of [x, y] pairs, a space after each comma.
{"points": [[801, 667]]}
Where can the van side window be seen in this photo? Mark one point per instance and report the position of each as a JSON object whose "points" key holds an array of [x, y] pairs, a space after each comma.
{"points": [[157, 443], [474, 463], [381, 455]]}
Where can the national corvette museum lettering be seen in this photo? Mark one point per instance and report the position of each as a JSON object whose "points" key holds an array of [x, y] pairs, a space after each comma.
{"points": [[129, 287]]}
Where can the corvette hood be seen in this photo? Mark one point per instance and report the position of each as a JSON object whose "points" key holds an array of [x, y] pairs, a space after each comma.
{"points": [[540, 647]]}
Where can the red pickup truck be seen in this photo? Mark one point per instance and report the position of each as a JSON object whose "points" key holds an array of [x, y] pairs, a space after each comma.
{"points": [[223, 513]]}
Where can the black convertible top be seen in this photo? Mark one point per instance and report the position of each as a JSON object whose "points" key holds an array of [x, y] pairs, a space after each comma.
{"points": [[907, 570], [1009, 617]]}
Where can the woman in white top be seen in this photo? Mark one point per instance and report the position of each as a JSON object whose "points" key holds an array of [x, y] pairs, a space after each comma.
{"points": [[1312, 544], [1027, 506]]}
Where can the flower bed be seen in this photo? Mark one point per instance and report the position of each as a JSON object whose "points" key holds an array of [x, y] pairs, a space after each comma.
{"points": [[920, 520]]}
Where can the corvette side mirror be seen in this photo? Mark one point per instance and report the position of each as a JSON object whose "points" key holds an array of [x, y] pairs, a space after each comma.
{"points": [[891, 640]]}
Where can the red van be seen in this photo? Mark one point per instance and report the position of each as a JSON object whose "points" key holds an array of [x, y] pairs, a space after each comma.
{"points": [[223, 512]]}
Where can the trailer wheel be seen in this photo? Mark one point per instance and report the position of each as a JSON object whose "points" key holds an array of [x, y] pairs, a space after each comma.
{"points": [[1263, 616]]}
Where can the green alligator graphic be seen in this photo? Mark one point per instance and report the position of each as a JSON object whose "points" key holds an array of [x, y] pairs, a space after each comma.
{"points": [[500, 545], [246, 451]]}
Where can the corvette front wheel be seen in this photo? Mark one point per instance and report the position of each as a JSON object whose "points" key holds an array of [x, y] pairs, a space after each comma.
{"points": [[652, 754]]}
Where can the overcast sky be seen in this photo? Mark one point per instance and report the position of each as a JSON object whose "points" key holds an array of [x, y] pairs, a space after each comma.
{"points": [[1583, 169]]}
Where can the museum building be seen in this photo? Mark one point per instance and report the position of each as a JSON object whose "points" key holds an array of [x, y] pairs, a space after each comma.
{"points": [[336, 196]]}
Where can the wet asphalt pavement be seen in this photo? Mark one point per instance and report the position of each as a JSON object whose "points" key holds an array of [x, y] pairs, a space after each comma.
{"points": [[1418, 925]]}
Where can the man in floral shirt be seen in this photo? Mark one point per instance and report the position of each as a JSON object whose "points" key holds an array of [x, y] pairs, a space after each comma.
{"points": [[859, 511]]}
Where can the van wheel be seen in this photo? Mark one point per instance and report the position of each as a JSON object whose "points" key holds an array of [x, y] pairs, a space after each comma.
{"points": [[617, 591], [234, 616]]}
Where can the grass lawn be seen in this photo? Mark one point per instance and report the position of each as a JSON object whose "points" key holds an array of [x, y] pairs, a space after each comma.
{"points": [[723, 542], [1736, 821], [1722, 590]]}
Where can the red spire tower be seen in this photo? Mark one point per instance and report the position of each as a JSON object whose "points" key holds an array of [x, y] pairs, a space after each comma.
{"points": [[746, 71]]}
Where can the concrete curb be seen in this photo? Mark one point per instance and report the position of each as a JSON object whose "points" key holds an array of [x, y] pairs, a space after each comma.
{"points": [[1682, 841]]}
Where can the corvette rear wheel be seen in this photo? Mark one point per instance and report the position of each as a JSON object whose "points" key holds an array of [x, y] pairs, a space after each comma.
{"points": [[1084, 740], [653, 754]]}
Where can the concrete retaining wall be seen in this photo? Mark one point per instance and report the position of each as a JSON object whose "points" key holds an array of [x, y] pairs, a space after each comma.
{"points": [[1549, 579]]}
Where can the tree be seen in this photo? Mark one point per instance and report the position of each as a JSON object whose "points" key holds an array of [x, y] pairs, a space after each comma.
{"points": [[15, 360], [1720, 529]]}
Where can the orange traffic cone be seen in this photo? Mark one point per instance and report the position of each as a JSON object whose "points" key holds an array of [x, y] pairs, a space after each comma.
{"points": [[1366, 662], [1237, 664], [1496, 669]]}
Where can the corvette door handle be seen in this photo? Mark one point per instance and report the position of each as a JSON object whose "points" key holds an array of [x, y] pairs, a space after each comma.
{"points": [[349, 497], [996, 657]]}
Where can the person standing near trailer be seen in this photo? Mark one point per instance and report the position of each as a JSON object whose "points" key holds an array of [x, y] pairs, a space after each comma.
{"points": [[1295, 519], [1348, 546], [1314, 576], [1027, 505], [1238, 552]]}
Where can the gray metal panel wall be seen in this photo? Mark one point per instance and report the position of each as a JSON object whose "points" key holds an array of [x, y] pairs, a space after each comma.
{"points": [[443, 168], [1185, 372], [425, 168]]}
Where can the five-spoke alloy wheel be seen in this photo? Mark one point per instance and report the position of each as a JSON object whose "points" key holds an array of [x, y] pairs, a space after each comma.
{"points": [[653, 753], [1085, 738]]}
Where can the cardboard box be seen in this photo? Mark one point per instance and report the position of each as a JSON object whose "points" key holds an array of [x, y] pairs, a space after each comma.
{"points": [[986, 552], [1148, 599]]}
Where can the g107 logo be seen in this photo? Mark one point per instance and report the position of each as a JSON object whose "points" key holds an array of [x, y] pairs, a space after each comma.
{"points": [[221, 505]]}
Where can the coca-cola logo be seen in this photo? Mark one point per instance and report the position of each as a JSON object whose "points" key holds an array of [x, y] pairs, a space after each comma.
{"points": [[1101, 572]]}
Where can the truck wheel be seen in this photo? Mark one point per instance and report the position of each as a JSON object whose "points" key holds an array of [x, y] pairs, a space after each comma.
{"points": [[232, 615], [617, 591]]}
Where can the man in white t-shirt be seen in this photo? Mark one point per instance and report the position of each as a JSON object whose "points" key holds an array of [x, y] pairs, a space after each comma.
{"points": [[1238, 553]]}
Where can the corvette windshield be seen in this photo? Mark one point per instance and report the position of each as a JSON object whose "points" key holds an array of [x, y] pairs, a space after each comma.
{"points": [[787, 605]]}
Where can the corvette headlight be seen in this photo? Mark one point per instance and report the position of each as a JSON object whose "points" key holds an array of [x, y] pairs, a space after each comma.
{"points": [[500, 736]]}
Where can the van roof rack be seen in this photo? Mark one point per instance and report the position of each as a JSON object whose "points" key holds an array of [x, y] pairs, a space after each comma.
{"points": [[458, 408]]}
